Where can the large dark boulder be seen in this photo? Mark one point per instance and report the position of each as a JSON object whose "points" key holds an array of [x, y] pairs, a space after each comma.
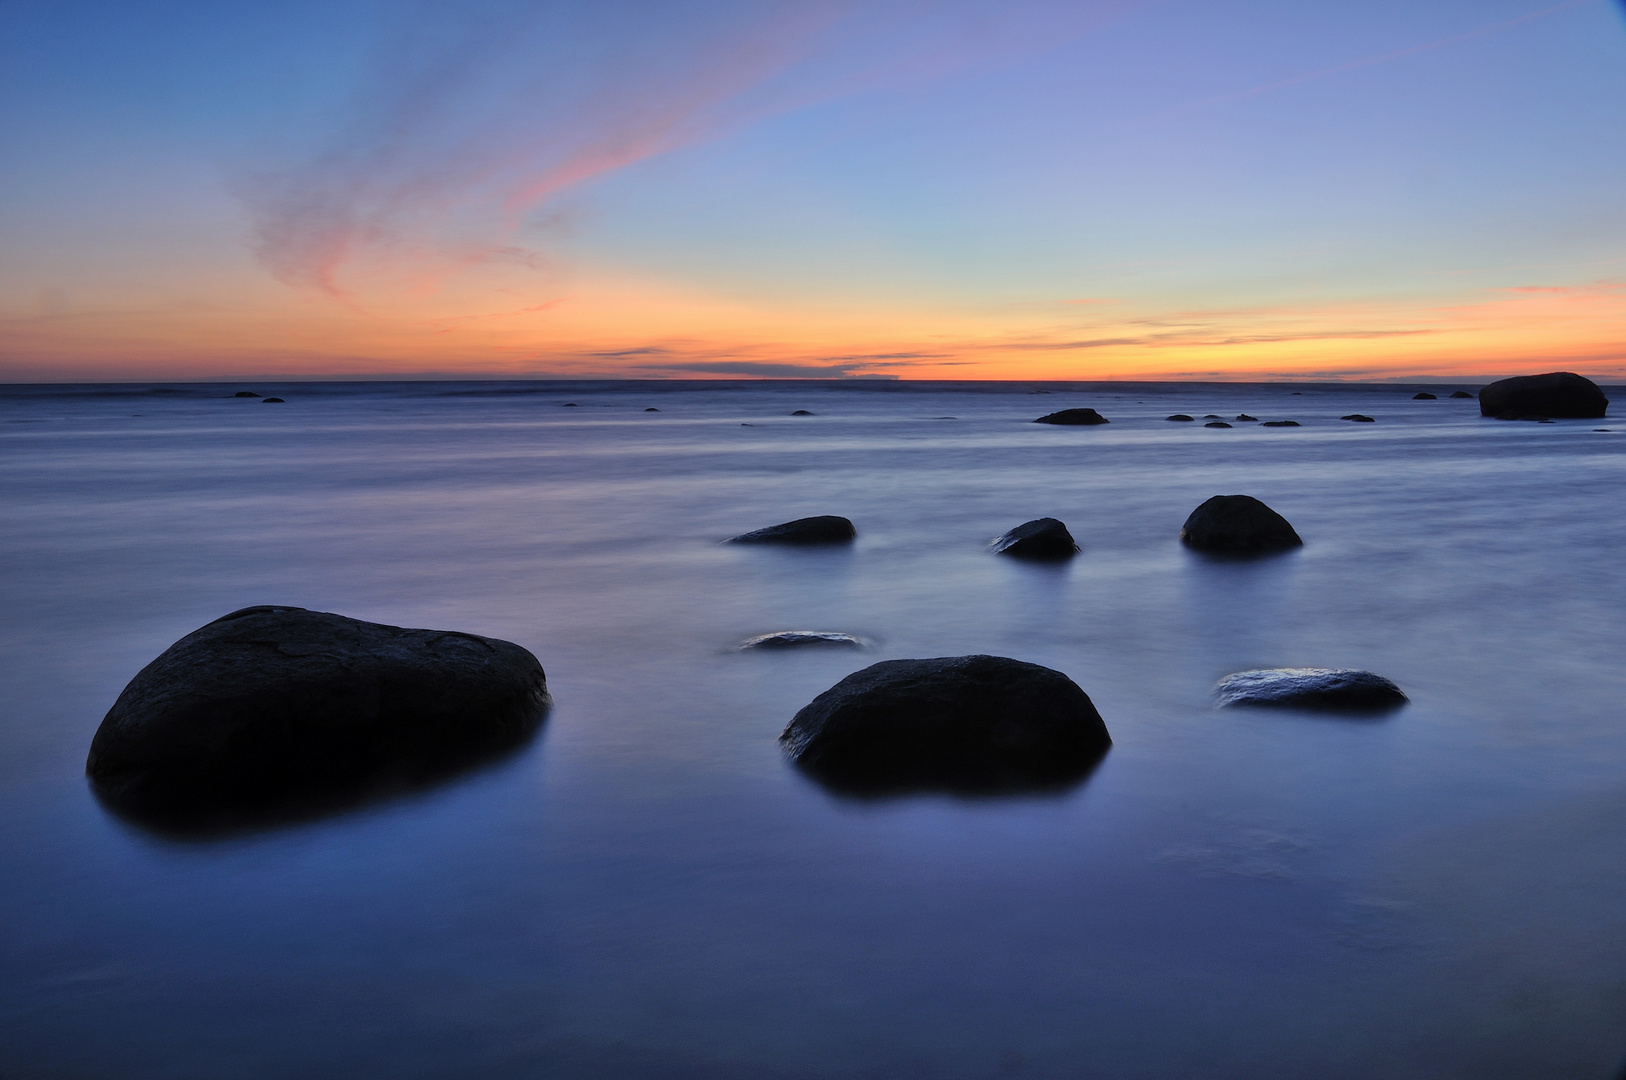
{"points": [[1558, 393], [1073, 417], [825, 529], [1331, 689], [1238, 525], [1042, 538], [966, 724], [269, 709]]}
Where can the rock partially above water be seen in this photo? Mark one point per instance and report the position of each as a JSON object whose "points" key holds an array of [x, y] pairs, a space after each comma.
{"points": [[272, 401], [245, 393], [1461, 394], [652, 409], [1042, 538], [824, 529], [791, 639], [1178, 416], [1216, 423], [1424, 396], [1280, 423], [1238, 525], [274, 707], [968, 724], [1557, 393], [801, 412], [1075, 417], [1358, 418], [1345, 689], [1245, 417]]}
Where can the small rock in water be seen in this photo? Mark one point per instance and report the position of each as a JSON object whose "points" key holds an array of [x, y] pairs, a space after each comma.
{"points": [[824, 529], [245, 393], [1461, 394], [1345, 689], [801, 412], [1245, 416], [790, 639], [1238, 525], [1216, 423], [964, 724], [1358, 418], [570, 405], [1601, 429], [651, 409], [1073, 417], [269, 708], [1042, 538], [272, 401], [1211, 416], [1280, 423], [1557, 393], [1178, 416], [1424, 396]]}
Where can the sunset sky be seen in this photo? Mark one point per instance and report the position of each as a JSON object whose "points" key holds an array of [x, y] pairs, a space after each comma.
{"points": [[1185, 189]]}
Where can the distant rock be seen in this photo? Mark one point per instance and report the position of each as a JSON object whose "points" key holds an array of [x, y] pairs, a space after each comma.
{"points": [[825, 529], [1042, 538], [1238, 525], [1178, 416], [1358, 418], [1461, 394], [1073, 417], [966, 724], [1425, 396], [1246, 417], [272, 401], [1211, 416], [1216, 423], [273, 707], [245, 393], [1280, 423], [801, 412], [792, 639], [1558, 393], [652, 409], [569, 405], [1344, 689]]}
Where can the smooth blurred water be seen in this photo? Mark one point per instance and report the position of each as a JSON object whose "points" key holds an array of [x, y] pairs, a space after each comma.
{"points": [[649, 891]]}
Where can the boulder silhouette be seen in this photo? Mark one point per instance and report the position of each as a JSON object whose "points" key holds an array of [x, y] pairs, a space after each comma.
{"points": [[1238, 525], [1042, 538], [1073, 417], [824, 529], [966, 724], [1557, 393], [1425, 396]]}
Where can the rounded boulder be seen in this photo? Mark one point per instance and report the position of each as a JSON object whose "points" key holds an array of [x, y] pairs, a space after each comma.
{"points": [[1238, 525], [824, 529], [1557, 393], [1042, 538], [1073, 417], [1331, 689]]}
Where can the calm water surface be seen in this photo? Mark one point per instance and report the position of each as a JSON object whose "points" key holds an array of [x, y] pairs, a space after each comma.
{"points": [[649, 891]]}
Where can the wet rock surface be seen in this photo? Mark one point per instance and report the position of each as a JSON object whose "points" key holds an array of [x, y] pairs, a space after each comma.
{"points": [[1238, 525], [273, 711], [1042, 538], [824, 529], [794, 639], [1558, 393], [1073, 417], [961, 724], [1333, 689]]}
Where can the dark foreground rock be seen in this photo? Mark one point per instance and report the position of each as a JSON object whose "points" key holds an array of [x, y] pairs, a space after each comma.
{"points": [[1238, 525], [1424, 396], [1245, 417], [1042, 538], [1342, 689], [1558, 393], [795, 639], [1073, 417], [271, 710], [824, 529], [966, 724]]}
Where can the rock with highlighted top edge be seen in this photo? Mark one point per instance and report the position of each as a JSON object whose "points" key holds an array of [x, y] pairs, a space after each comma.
{"points": [[1342, 689], [1042, 538], [792, 639]]}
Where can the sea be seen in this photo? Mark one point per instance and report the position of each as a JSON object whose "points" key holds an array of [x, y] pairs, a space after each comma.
{"points": [[649, 890]]}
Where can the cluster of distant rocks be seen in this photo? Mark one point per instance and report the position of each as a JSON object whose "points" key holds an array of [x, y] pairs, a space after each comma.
{"points": [[271, 712]]}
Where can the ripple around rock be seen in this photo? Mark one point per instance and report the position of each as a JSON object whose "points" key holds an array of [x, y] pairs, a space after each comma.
{"points": [[824, 529], [1558, 393], [274, 712], [960, 724], [1042, 538], [1331, 689], [1238, 525], [1073, 417], [792, 639]]}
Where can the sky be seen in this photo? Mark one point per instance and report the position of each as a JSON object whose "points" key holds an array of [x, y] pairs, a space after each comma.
{"points": [[1022, 189]]}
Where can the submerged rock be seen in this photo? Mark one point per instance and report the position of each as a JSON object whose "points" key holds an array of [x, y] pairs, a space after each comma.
{"points": [[1042, 538], [1216, 423], [801, 412], [824, 529], [652, 409], [1238, 525], [1211, 416], [273, 707], [1461, 394], [790, 639], [1310, 688], [1358, 418], [1246, 417], [272, 401], [969, 724], [1074, 417], [1178, 416], [1424, 396], [1280, 423], [1557, 393]]}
